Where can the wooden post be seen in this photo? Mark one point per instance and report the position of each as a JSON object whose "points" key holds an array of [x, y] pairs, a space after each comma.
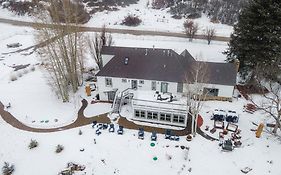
{"points": [[259, 130], [88, 90]]}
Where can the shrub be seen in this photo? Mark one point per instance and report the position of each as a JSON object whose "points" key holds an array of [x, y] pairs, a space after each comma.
{"points": [[13, 77], [19, 74], [59, 148], [32, 68], [33, 144], [131, 20], [8, 169], [25, 71]]}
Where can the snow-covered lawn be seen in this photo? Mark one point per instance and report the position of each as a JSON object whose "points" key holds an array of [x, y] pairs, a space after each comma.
{"points": [[33, 100], [125, 154]]}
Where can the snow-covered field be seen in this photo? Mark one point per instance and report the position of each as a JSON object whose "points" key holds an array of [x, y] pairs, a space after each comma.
{"points": [[152, 19], [33, 100]]}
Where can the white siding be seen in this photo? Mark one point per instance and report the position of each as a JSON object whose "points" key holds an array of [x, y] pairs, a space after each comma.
{"points": [[224, 90], [118, 84]]}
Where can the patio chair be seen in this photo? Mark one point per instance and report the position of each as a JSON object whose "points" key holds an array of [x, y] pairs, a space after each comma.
{"points": [[228, 118], [98, 132], [120, 130], [99, 126], [227, 145], [94, 123], [111, 128], [141, 133], [176, 138], [167, 134], [235, 119], [104, 126], [153, 136]]}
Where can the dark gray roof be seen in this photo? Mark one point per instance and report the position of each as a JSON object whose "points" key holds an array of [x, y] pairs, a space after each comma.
{"points": [[161, 65]]}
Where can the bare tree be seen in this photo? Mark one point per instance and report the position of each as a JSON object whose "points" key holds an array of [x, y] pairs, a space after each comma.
{"points": [[209, 34], [270, 91], [63, 56], [96, 42], [190, 29], [195, 78]]}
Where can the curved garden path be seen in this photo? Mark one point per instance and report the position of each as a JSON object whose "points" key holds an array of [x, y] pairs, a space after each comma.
{"points": [[80, 121]]}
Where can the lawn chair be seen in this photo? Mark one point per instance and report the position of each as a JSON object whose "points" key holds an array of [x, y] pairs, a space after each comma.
{"points": [[98, 132], [120, 130], [235, 119], [104, 126], [111, 128], [227, 145], [153, 136], [141, 133], [167, 134], [94, 123], [176, 138], [229, 118]]}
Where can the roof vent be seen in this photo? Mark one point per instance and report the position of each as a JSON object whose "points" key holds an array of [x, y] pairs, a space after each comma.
{"points": [[126, 61]]}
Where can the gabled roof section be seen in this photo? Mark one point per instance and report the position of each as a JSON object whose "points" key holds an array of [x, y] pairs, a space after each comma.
{"points": [[187, 55], [162, 65]]}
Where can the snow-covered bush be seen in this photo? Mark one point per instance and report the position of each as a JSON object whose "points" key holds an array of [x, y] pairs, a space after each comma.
{"points": [[32, 68], [25, 71], [19, 74], [131, 20], [33, 144], [13, 77], [59, 148], [8, 169]]}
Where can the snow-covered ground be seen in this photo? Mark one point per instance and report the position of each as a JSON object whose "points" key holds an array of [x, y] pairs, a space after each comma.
{"points": [[33, 100], [152, 19]]}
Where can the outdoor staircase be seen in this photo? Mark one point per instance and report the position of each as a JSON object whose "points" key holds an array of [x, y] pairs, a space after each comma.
{"points": [[116, 105], [120, 99]]}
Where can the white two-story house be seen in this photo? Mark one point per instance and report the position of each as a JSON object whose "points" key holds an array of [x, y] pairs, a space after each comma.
{"points": [[146, 72]]}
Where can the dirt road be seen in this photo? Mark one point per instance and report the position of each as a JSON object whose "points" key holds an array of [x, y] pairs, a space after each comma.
{"points": [[114, 30]]}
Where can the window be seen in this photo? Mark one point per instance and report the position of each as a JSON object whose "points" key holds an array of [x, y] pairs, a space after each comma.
{"points": [[141, 82], [137, 113], [178, 118], [164, 87], [155, 116], [142, 114], [165, 117], [162, 116], [108, 82], [149, 115], [168, 117], [181, 120], [175, 118], [180, 87], [124, 80], [153, 85], [211, 91]]}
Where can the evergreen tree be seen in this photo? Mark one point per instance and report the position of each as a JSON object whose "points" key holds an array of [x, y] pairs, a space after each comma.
{"points": [[257, 36]]}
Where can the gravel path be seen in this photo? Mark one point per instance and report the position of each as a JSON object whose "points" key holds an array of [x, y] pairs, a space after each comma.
{"points": [[80, 121]]}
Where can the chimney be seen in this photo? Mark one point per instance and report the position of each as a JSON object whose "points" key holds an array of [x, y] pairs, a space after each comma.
{"points": [[236, 62]]}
